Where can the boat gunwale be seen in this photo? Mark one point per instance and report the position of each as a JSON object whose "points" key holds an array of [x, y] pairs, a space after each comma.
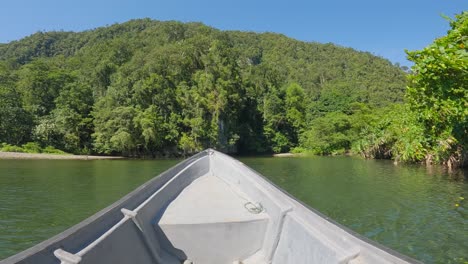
{"points": [[125, 217], [330, 220], [54, 242]]}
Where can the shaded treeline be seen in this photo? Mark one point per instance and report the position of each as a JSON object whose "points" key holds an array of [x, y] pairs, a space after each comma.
{"points": [[147, 88]]}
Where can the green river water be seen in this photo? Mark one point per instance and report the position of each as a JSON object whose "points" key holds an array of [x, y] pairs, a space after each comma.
{"points": [[408, 208]]}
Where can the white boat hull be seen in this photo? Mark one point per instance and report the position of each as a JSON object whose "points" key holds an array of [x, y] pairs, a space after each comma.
{"points": [[208, 209]]}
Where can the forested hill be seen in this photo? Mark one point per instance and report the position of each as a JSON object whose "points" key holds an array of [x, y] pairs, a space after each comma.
{"points": [[147, 87]]}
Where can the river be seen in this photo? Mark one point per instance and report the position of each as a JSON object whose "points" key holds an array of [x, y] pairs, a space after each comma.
{"points": [[410, 208]]}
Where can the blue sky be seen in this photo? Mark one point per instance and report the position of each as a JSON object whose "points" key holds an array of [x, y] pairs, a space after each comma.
{"points": [[384, 28]]}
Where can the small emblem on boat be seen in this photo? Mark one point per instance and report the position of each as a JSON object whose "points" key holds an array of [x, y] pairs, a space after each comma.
{"points": [[254, 208]]}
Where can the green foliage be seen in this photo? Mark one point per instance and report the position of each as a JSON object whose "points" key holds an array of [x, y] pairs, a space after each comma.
{"points": [[32, 147], [15, 122], [72, 117], [11, 148], [39, 83], [438, 90], [328, 134], [432, 126], [46, 132], [188, 144], [52, 150], [115, 130], [389, 132], [154, 88], [295, 108], [393, 132]]}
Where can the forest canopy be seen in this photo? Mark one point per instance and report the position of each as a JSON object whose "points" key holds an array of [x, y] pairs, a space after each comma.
{"points": [[150, 88], [147, 87]]}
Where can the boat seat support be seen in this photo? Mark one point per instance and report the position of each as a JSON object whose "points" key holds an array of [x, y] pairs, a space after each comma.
{"points": [[133, 215], [67, 257]]}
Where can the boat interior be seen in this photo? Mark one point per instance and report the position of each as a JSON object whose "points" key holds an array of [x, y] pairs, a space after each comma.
{"points": [[215, 210]]}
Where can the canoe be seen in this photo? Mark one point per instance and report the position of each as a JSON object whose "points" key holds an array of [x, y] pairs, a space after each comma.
{"points": [[208, 209]]}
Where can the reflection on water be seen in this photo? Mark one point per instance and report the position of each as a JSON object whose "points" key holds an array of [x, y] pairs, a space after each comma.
{"points": [[411, 209], [40, 198]]}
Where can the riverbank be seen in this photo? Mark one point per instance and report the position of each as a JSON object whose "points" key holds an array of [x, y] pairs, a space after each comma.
{"points": [[289, 154], [20, 155]]}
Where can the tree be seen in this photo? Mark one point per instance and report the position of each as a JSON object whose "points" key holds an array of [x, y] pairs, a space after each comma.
{"points": [[328, 134], [148, 87], [390, 132], [438, 91], [15, 122], [115, 131], [72, 117], [276, 125], [40, 83], [295, 107]]}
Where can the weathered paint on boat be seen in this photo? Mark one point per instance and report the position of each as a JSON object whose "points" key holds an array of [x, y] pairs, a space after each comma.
{"points": [[208, 209]]}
